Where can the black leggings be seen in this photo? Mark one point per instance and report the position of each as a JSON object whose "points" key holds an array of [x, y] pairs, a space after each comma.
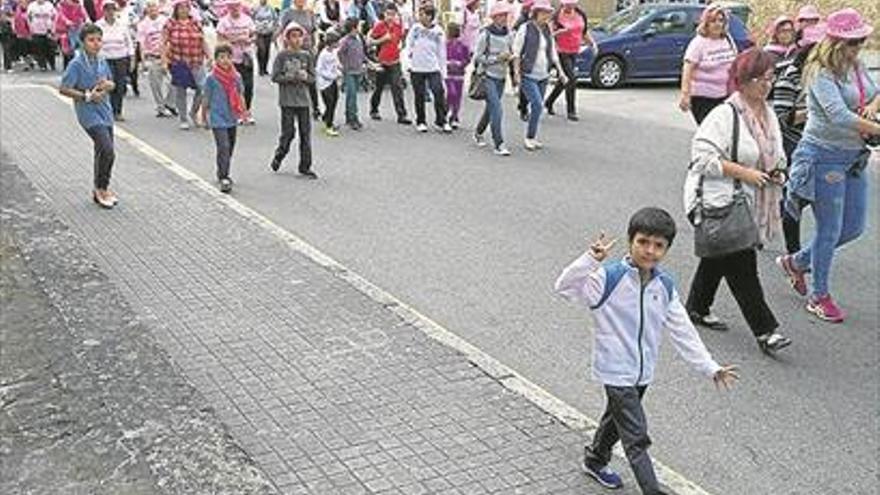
{"points": [[702, 105], [247, 80], [567, 61], [330, 95], [740, 270], [264, 44]]}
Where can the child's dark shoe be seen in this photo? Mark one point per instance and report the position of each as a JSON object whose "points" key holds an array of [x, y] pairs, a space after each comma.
{"points": [[275, 165], [604, 475], [773, 342], [308, 174], [709, 321], [226, 185]]}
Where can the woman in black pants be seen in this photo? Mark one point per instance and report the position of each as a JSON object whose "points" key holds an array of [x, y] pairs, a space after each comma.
{"points": [[707, 61], [570, 28]]}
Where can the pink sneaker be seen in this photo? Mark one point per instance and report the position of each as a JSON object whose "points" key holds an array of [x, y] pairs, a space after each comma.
{"points": [[825, 309], [795, 277]]}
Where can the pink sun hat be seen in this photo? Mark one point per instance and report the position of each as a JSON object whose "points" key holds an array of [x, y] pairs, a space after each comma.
{"points": [[771, 29], [499, 8], [542, 5], [808, 13], [813, 34], [848, 24], [293, 26], [568, 2]]}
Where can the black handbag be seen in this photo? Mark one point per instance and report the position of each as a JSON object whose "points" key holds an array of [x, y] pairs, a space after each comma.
{"points": [[477, 85], [727, 229]]}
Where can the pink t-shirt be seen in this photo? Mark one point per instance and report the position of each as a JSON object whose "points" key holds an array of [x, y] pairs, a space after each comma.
{"points": [[239, 32], [150, 35], [712, 59], [569, 40]]}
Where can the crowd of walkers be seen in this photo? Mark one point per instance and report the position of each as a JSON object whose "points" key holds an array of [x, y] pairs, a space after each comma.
{"points": [[781, 127]]}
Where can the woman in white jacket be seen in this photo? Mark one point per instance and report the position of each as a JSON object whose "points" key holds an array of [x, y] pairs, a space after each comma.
{"points": [[760, 172]]}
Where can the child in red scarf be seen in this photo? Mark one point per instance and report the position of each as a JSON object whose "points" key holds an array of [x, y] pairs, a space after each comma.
{"points": [[222, 108]]}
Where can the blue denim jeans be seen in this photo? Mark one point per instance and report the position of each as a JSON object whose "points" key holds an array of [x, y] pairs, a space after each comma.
{"points": [[839, 208], [352, 84], [534, 91], [492, 114]]}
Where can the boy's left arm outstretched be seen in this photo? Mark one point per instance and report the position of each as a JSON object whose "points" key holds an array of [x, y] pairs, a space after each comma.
{"points": [[690, 347]]}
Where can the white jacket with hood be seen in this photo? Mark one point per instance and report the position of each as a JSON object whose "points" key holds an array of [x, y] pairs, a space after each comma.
{"points": [[631, 322]]}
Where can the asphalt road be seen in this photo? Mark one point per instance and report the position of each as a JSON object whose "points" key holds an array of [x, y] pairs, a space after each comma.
{"points": [[475, 242]]}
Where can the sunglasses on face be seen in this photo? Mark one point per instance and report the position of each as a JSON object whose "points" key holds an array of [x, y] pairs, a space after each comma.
{"points": [[857, 42], [764, 79]]}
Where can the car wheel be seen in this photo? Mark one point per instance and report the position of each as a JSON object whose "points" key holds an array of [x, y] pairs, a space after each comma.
{"points": [[608, 72]]}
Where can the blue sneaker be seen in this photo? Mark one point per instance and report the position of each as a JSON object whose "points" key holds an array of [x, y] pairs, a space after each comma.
{"points": [[605, 476]]}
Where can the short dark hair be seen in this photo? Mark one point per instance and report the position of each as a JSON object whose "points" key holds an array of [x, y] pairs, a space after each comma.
{"points": [[453, 30], [90, 28], [350, 24], [222, 48], [652, 221], [428, 10]]}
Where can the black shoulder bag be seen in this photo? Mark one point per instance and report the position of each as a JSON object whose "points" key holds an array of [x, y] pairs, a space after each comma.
{"points": [[727, 229]]}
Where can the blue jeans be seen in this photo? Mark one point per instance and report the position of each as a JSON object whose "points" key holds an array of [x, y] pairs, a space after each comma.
{"points": [[534, 91], [492, 114], [352, 84], [839, 208]]}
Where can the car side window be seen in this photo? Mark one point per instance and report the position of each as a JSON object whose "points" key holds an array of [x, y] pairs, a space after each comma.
{"points": [[674, 21]]}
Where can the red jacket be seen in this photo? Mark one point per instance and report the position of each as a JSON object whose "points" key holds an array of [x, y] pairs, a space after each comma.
{"points": [[389, 52]]}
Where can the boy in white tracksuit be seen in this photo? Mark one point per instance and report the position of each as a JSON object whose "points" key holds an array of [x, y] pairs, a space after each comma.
{"points": [[426, 43], [633, 301]]}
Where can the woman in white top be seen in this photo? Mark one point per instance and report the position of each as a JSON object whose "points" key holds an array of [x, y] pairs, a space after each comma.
{"points": [[118, 49], [758, 172]]}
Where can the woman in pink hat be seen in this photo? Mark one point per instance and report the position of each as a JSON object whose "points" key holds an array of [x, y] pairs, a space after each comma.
{"points": [[827, 170], [493, 55], [569, 25], [707, 62], [782, 37], [535, 54]]}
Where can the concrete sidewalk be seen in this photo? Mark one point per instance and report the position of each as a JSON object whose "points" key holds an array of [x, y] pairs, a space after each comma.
{"points": [[327, 389]]}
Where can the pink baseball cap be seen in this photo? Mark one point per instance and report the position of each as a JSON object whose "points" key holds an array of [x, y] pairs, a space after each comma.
{"points": [[528, 3], [499, 8], [808, 12], [542, 5], [175, 3], [848, 24], [568, 2]]}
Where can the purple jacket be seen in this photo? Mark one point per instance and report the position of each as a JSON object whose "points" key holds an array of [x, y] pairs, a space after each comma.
{"points": [[458, 55]]}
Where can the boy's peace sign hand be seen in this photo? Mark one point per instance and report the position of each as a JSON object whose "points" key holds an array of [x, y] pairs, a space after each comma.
{"points": [[600, 248], [726, 376]]}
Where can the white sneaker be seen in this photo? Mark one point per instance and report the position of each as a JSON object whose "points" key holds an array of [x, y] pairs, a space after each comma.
{"points": [[532, 144], [446, 128], [422, 128], [250, 121], [479, 140], [501, 150], [184, 126]]}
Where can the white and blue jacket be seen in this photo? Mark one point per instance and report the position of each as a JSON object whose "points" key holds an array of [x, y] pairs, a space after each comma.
{"points": [[630, 319]]}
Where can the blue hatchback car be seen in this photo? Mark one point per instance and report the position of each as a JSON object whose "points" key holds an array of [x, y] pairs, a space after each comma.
{"points": [[647, 42]]}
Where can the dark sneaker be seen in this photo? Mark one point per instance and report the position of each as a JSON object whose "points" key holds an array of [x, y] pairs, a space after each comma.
{"points": [[605, 476], [308, 174], [826, 309], [404, 120], [573, 117], [375, 116], [275, 165], [550, 110], [773, 342], [795, 276], [709, 321], [524, 116], [225, 186]]}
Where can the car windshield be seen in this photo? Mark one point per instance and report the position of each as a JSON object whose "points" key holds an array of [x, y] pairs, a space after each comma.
{"points": [[624, 19]]}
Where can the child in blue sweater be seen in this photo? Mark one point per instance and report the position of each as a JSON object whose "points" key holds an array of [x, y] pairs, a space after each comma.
{"points": [[633, 303]]}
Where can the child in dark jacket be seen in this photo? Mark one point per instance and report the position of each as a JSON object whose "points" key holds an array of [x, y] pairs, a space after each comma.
{"points": [[457, 58], [294, 72]]}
